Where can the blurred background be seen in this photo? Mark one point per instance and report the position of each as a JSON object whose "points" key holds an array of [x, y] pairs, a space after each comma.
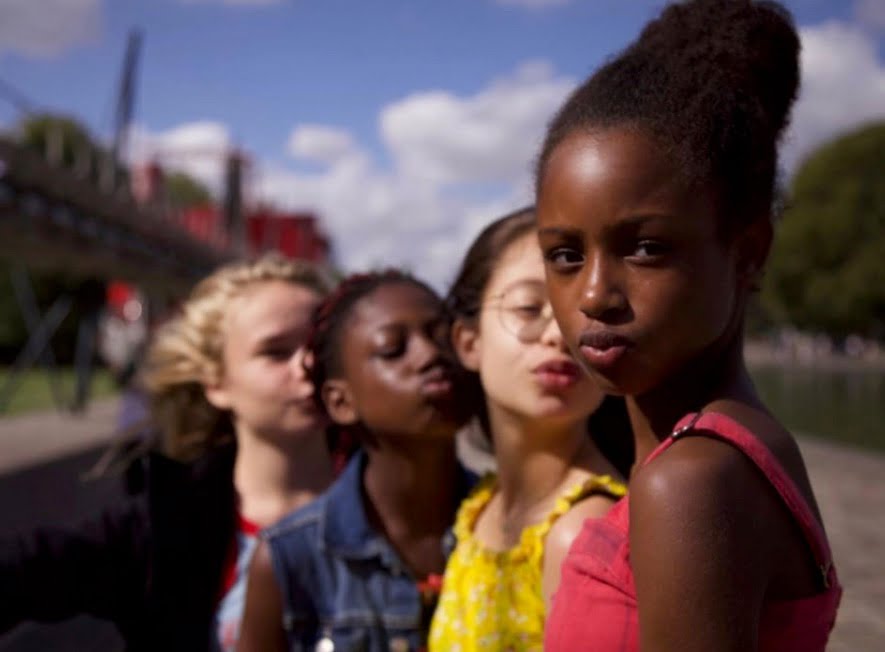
{"points": [[142, 144]]}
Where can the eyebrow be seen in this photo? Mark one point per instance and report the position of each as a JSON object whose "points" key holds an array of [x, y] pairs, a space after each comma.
{"points": [[280, 337], [557, 230], [629, 221]]}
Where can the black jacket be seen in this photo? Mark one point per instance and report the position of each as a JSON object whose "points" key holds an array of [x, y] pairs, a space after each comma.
{"points": [[152, 565]]}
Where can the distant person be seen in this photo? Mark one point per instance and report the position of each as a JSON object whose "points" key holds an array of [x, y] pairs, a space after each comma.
{"points": [[239, 444], [655, 193], [359, 568], [533, 401]]}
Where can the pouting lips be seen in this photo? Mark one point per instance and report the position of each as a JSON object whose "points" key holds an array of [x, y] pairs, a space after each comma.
{"points": [[557, 374], [437, 383], [603, 349]]}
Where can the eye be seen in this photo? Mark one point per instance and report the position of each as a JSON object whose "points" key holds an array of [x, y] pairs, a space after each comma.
{"points": [[392, 349], [529, 310], [564, 258], [278, 353], [649, 250]]}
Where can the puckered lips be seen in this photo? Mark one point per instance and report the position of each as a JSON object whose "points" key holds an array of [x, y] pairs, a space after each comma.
{"points": [[603, 349], [559, 373], [437, 382]]}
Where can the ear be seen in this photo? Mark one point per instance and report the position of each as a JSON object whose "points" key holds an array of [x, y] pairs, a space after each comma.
{"points": [[467, 344], [217, 395], [753, 247], [339, 402]]}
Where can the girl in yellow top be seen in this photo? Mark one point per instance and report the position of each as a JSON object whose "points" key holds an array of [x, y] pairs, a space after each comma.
{"points": [[515, 528]]}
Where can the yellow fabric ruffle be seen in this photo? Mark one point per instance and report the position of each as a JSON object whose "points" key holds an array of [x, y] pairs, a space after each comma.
{"points": [[492, 600]]}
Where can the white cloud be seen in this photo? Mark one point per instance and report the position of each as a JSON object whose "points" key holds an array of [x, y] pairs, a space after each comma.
{"points": [[48, 27], [196, 148], [870, 14], [532, 4], [319, 143], [457, 162], [843, 85], [490, 136]]}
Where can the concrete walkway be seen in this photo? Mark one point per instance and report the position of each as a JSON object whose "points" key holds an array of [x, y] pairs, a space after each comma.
{"points": [[849, 483], [29, 439], [850, 489]]}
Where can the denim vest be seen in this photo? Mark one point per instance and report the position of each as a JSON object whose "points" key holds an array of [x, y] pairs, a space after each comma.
{"points": [[344, 587]]}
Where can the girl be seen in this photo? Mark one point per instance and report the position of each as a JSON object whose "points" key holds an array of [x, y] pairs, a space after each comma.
{"points": [[240, 444], [655, 188], [356, 569], [516, 527]]}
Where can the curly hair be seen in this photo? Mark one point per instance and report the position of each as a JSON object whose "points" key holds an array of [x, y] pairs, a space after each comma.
{"points": [[712, 81], [186, 353]]}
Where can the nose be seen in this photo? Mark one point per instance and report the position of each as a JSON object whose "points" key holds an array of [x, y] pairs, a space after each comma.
{"points": [[551, 335], [602, 298], [301, 360], [427, 352]]}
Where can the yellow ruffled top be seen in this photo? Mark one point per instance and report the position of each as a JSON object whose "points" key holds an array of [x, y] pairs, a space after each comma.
{"points": [[492, 600]]}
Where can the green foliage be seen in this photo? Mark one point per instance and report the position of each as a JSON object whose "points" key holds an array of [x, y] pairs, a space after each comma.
{"points": [[64, 140], [827, 271], [183, 191], [34, 393]]}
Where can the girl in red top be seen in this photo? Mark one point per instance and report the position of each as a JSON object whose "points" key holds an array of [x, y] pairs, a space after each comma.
{"points": [[655, 189]]}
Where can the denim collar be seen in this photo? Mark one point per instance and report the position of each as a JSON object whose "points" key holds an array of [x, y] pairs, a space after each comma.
{"points": [[344, 525]]}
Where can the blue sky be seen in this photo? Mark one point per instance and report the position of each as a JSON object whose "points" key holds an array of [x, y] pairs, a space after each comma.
{"points": [[400, 121]]}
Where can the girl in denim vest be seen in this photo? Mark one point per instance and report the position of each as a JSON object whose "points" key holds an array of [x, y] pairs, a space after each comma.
{"points": [[355, 570]]}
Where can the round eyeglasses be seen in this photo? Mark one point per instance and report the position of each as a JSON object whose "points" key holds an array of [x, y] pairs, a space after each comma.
{"points": [[524, 310]]}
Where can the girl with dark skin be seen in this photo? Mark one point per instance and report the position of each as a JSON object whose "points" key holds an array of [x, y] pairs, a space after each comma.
{"points": [[382, 367], [655, 191]]}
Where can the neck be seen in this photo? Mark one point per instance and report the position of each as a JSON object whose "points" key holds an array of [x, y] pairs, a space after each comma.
{"points": [[535, 456], [272, 478], [719, 373], [410, 487]]}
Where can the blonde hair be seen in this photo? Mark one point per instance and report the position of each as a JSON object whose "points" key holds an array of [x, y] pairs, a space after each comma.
{"points": [[186, 353]]}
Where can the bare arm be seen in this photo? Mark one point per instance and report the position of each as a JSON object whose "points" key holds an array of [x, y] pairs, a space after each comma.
{"points": [[699, 550], [561, 536], [262, 629]]}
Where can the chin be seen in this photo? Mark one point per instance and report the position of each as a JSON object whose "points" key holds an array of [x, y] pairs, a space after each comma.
{"points": [[303, 427]]}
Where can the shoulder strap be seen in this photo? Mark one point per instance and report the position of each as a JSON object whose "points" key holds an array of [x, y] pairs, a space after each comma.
{"points": [[720, 426]]}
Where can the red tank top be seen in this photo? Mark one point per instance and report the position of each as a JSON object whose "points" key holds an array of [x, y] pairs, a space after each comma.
{"points": [[595, 606]]}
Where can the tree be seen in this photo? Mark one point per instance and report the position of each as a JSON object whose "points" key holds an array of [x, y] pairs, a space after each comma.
{"points": [[184, 191], [827, 271], [67, 142]]}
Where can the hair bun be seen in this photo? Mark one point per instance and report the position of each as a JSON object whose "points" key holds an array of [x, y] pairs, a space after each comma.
{"points": [[735, 48]]}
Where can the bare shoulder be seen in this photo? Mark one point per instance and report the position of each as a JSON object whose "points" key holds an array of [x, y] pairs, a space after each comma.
{"points": [[568, 526], [697, 482], [563, 533], [779, 441]]}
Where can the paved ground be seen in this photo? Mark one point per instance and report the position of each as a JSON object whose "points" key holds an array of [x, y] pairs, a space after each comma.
{"points": [[850, 486], [850, 489]]}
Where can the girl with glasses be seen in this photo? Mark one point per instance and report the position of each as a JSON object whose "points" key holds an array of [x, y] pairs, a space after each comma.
{"points": [[534, 402]]}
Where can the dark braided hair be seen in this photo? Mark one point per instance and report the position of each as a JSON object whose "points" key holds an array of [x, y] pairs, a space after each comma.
{"points": [[713, 82]]}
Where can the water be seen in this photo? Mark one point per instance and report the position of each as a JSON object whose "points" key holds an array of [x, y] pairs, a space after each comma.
{"points": [[847, 406]]}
